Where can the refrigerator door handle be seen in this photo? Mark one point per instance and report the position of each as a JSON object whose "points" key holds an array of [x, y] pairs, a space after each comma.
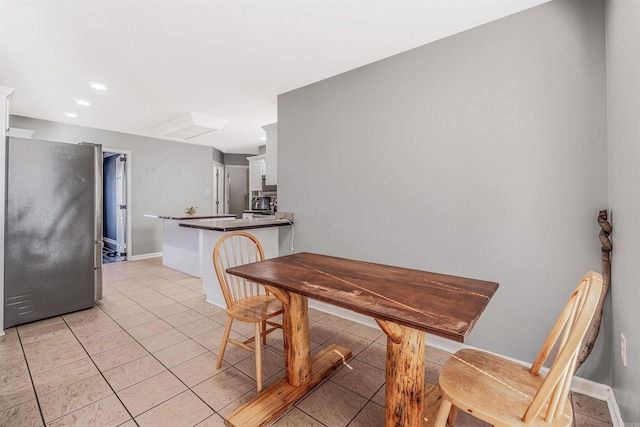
{"points": [[97, 271], [97, 290], [98, 254]]}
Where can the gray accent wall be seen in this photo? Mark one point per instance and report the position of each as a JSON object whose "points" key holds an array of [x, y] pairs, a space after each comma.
{"points": [[480, 155], [166, 177], [218, 156], [623, 92], [236, 159]]}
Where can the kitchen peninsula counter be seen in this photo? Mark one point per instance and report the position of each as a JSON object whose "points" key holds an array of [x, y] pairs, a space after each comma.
{"points": [[188, 243], [195, 216], [266, 230], [181, 247]]}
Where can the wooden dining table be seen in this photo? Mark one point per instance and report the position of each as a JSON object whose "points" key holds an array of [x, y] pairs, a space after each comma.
{"points": [[404, 302]]}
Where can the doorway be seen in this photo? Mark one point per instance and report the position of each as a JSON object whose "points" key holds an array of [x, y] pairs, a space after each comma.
{"points": [[237, 189], [116, 218]]}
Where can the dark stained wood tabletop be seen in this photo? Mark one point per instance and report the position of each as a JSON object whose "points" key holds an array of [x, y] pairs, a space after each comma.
{"points": [[443, 305]]}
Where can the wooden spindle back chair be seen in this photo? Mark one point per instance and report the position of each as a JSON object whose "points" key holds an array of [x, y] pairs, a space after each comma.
{"points": [[505, 393], [246, 301]]}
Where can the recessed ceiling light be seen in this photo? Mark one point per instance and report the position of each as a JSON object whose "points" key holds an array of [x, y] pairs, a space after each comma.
{"points": [[263, 138], [98, 86], [82, 102], [224, 150], [70, 115]]}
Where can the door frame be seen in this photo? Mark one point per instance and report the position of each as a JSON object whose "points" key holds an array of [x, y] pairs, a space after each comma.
{"points": [[219, 189], [127, 168]]}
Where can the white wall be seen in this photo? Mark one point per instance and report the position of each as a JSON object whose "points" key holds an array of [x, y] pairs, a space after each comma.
{"points": [[479, 155], [623, 92]]}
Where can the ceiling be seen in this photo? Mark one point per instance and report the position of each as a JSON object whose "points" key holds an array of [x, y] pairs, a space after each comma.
{"points": [[229, 59]]}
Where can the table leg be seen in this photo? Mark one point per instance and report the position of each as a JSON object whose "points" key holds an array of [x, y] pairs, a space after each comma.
{"points": [[404, 399], [295, 333], [303, 372]]}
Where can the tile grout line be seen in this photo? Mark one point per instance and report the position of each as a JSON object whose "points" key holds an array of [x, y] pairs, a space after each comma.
{"points": [[101, 374], [152, 355], [167, 368], [365, 405], [99, 370], [209, 351], [33, 385]]}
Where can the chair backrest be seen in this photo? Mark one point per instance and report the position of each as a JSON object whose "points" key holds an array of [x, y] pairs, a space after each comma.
{"points": [[233, 249], [566, 336]]}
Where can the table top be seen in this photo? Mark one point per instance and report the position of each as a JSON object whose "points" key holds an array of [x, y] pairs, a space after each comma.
{"points": [[443, 305]]}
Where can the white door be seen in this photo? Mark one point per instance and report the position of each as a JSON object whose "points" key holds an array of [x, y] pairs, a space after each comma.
{"points": [[121, 205], [117, 212]]}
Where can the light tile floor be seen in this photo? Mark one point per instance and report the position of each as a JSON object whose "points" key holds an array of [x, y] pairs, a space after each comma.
{"points": [[146, 356]]}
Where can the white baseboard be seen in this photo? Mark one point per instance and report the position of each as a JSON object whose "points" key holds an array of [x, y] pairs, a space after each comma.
{"points": [[600, 392], [215, 303], [144, 256], [579, 385]]}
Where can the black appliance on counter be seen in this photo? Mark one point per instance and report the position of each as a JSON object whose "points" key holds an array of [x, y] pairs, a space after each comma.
{"points": [[261, 203]]}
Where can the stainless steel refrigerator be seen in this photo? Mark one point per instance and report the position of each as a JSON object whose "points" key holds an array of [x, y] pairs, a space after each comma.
{"points": [[53, 229]]}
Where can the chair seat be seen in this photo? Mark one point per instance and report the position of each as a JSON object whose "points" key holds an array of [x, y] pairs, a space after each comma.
{"points": [[498, 390], [255, 309]]}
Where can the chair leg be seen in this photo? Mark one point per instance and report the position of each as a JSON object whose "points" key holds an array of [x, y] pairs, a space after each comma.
{"points": [[258, 348], [443, 413], [223, 346], [453, 413], [264, 336]]}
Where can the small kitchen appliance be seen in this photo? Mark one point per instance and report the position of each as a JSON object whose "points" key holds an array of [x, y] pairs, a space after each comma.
{"points": [[261, 203]]}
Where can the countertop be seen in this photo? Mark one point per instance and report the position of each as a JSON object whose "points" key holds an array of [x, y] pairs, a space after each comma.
{"points": [[263, 211], [185, 216], [233, 225]]}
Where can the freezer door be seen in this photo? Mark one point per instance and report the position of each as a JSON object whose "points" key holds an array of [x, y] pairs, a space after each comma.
{"points": [[50, 229]]}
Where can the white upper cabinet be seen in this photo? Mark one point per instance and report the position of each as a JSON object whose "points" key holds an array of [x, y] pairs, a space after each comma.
{"points": [[256, 170], [272, 153]]}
